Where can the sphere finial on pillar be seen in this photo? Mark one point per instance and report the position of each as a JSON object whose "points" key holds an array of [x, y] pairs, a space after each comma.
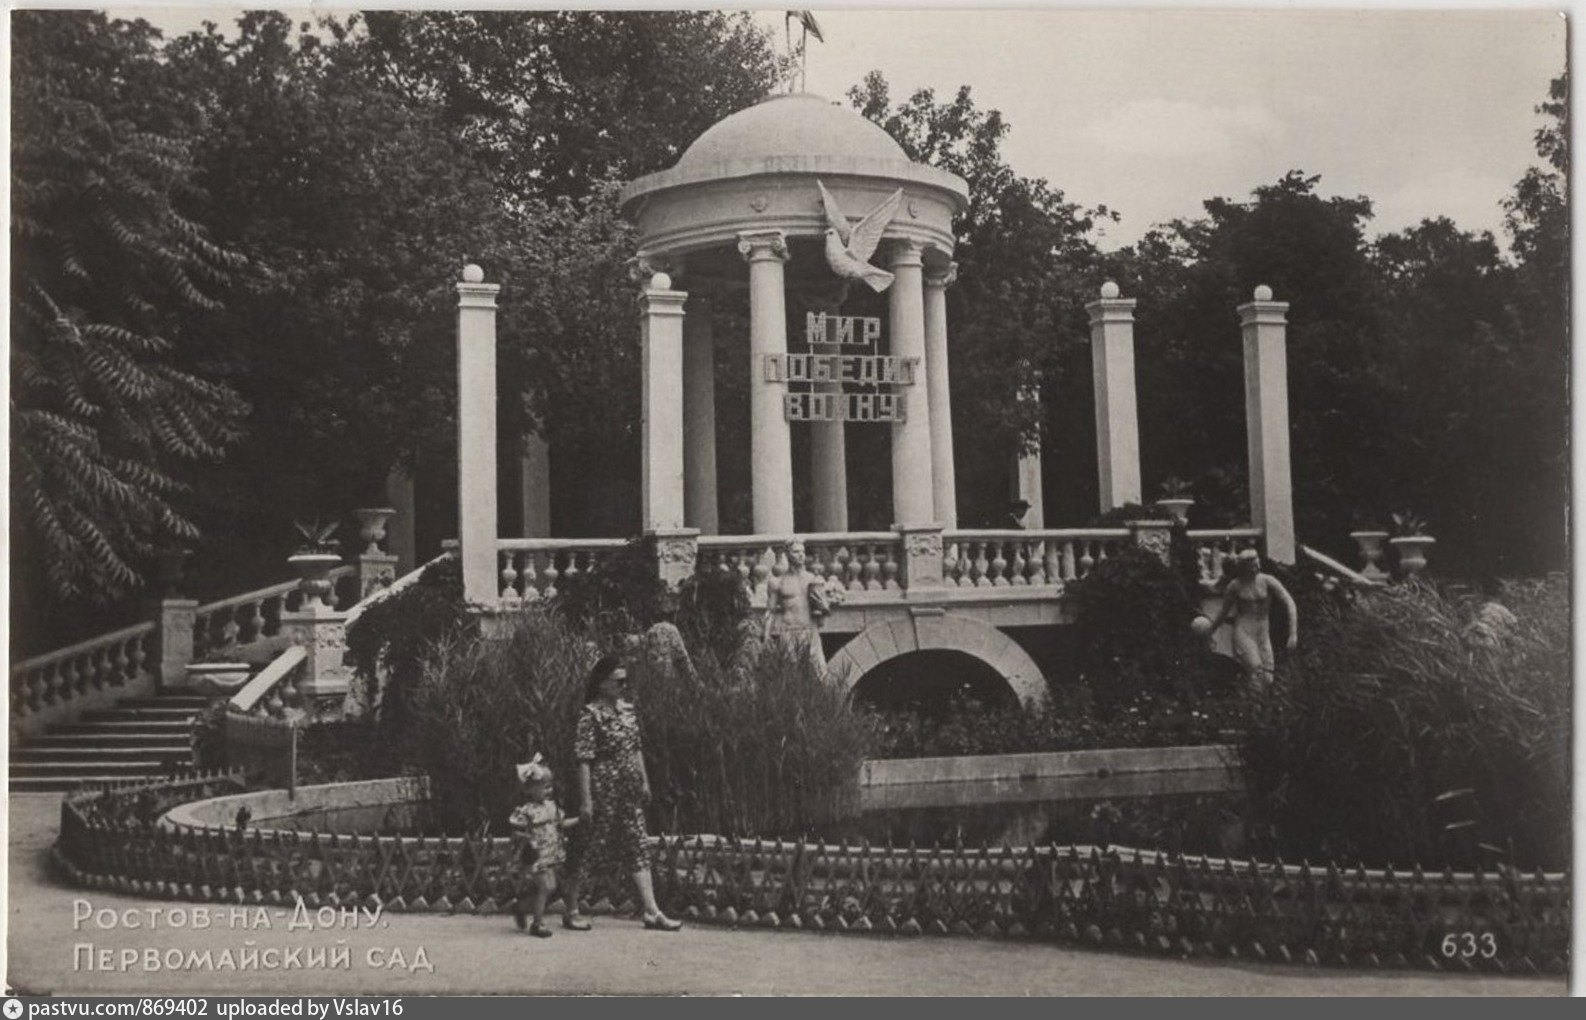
{"points": [[1263, 293], [473, 274], [660, 281], [1109, 290]]}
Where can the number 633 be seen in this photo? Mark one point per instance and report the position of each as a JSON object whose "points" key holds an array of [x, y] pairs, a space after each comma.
{"points": [[1468, 944]]}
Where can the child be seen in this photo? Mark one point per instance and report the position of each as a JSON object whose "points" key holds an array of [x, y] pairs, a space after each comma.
{"points": [[538, 825]]}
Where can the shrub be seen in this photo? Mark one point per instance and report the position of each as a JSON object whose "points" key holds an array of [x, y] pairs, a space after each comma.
{"points": [[388, 639], [1134, 634], [1398, 736], [774, 752]]}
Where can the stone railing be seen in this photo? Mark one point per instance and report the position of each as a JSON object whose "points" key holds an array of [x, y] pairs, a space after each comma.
{"points": [[274, 688], [533, 568], [862, 561], [1212, 548], [998, 559], [110, 662], [243, 620]]}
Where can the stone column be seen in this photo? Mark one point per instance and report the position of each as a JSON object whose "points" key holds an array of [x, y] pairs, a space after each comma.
{"points": [[401, 538], [699, 418], [534, 482], [1026, 478], [476, 436], [770, 439], [913, 494], [829, 468], [1117, 424], [661, 365], [943, 474], [1264, 323]]}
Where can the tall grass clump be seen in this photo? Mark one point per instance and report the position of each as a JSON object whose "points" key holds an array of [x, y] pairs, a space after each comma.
{"points": [[1401, 735], [773, 752]]}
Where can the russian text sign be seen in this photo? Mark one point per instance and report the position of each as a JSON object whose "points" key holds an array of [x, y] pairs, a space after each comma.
{"points": [[843, 407]]}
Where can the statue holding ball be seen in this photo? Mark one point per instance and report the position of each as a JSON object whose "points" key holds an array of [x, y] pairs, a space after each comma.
{"points": [[1247, 601]]}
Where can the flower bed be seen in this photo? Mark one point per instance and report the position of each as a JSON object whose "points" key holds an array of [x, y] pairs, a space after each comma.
{"points": [[1126, 899]]}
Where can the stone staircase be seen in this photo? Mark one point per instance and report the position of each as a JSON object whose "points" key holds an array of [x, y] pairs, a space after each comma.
{"points": [[139, 738]]}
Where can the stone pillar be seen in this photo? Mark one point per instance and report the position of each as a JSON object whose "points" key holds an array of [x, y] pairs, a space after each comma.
{"points": [[322, 633], [476, 436], [922, 559], [177, 617], [829, 468], [1117, 424], [1026, 478], [1264, 323], [700, 507], [1155, 537], [661, 365], [943, 473], [376, 568], [401, 537], [913, 494], [770, 439], [534, 481], [676, 554]]}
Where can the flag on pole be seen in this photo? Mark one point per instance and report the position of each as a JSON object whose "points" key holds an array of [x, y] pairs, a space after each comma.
{"points": [[808, 23]]}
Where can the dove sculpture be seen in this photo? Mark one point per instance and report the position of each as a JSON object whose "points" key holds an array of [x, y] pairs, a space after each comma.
{"points": [[848, 249]]}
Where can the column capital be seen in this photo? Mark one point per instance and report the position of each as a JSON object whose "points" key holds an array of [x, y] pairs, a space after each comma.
{"points": [[763, 245], [944, 277], [477, 295], [1110, 310], [1263, 313], [904, 251]]}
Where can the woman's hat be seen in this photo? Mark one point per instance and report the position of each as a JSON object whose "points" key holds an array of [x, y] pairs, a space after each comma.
{"points": [[534, 770]]}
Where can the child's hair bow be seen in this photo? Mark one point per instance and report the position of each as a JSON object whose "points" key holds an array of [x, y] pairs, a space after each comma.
{"points": [[533, 769]]}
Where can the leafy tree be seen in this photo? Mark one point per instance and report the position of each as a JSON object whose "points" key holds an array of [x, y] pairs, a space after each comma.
{"points": [[114, 287], [1026, 266]]}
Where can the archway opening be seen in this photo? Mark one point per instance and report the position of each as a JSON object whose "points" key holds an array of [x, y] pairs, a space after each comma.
{"points": [[933, 683]]}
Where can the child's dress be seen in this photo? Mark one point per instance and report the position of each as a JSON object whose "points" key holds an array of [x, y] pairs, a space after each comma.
{"points": [[541, 827]]}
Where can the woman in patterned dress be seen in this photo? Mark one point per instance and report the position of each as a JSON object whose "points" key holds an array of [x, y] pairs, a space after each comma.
{"points": [[613, 789]]}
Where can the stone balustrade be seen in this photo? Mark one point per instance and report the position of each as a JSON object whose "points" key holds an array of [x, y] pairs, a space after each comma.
{"points": [[274, 689], [863, 562], [69, 674], [533, 568], [1212, 548], [239, 621], [1013, 558]]}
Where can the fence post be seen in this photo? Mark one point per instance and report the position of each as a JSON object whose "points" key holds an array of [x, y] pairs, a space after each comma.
{"points": [[922, 558], [1155, 537], [376, 568], [676, 554], [177, 618]]}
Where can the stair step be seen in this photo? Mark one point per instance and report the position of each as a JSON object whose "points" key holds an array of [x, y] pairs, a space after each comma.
{"points": [[104, 738], [145, 726], [135, 714], [88, 752], [196, 702], [121, 769]]}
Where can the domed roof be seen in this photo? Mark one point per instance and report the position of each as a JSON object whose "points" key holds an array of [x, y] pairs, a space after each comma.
{"points": [[799, 124]]}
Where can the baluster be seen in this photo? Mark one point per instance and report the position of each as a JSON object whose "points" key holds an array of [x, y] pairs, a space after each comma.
{"points": [[818, 556], [140, 654], [253, 622], [528, 577], [119, 661], [570, 569], [845, 568], [1053, 562], [552, 575], [999, 565], [1086, 560], [509, 575], [889, 569], [270, 611], [1020, 561], [61, 681], [743, 568], [950, 563], [779, 563], [872, 574], [1070, 571], [228, 633], [760, 572], [977, 564]]}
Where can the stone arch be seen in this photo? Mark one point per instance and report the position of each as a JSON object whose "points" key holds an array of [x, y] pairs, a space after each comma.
{"points": [[952, 632]]}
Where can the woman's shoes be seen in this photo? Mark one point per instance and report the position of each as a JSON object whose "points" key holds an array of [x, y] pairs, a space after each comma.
{"points": [[575, 922], [660, 922], [539, 930]]}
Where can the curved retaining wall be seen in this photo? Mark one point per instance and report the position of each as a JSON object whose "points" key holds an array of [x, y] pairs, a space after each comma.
{"points": [[1128, 899]]}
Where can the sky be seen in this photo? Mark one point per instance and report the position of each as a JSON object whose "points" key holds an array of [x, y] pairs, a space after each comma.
{"points": [[1152, 111]]}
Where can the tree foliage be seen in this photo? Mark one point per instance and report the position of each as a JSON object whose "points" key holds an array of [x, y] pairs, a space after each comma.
{"points": [[114, 285]]}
